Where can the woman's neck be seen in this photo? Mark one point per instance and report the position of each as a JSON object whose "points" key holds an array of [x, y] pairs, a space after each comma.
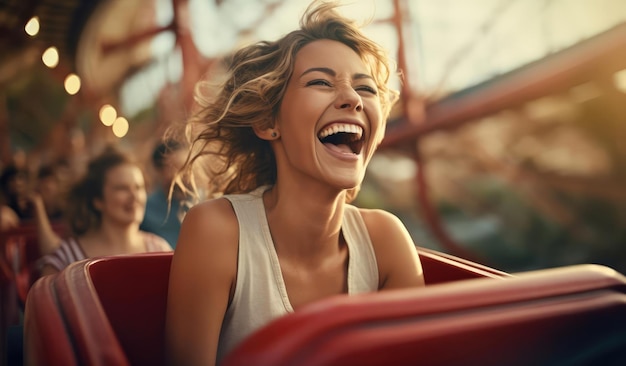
{"points": [[304, 225], [109, 238]]}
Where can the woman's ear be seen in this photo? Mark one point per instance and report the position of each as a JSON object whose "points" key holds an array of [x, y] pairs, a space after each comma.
{"points": [[267, 133]]}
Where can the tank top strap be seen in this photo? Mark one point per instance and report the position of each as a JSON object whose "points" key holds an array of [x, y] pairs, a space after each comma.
{"points": [[260, 293], [362, 266]]}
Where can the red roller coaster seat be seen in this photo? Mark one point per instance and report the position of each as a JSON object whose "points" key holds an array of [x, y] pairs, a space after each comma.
{"points": [[46, 327], [566, 316], [113, 310], [114, 307], [21, 252]]}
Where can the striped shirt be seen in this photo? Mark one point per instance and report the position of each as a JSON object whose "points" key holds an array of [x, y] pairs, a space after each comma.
{"points": [[70, 251]]}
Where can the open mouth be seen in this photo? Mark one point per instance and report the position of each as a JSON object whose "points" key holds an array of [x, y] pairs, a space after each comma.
{"points": [[346, 138]]}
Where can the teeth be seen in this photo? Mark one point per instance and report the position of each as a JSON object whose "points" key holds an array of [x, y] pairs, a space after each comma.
{"points": [[341, 127]]}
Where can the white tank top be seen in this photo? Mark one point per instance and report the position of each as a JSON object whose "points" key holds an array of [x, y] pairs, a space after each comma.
{"points": [[260, 293]]}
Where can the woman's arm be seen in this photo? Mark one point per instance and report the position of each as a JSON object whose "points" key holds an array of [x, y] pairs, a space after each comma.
{"points": [[8, 218], [48, 240], [202, 278], [398, 262]]}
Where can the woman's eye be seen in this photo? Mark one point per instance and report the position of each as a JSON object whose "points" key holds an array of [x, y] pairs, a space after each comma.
{"points": [[367, 89], [318, 82]]}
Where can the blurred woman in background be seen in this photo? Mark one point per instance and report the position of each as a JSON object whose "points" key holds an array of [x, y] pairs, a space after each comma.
{"points": [[104, 210]]}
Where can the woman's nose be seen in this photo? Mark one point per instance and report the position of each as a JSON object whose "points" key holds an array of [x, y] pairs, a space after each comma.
{"points": [[348, 98]]}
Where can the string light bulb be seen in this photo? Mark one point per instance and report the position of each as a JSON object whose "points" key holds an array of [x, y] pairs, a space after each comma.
{"points": [[619, 79], [120, 127], [50, 57], [72, 84], [32, 27], [107, 114]]}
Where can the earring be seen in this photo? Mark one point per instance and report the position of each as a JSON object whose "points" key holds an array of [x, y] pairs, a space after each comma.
{"points": [[274, 134]]}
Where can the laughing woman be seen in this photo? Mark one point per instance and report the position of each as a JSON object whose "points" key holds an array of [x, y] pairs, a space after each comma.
{"points": [[288, 139]]}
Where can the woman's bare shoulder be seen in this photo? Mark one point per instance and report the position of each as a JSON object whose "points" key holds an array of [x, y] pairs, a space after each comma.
{"points": [[213, 219], [218, 208], [397, 258], [385, 230], [380, 220]]}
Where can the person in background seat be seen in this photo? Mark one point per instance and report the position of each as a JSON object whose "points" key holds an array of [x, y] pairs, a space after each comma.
{"points": [[47, 202], [164, 210], [14, 194], [104, 210]]}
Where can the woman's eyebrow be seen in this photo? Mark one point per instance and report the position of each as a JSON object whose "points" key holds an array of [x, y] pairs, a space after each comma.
{"points": [[325, 70], [358, 76], [331, 72]]}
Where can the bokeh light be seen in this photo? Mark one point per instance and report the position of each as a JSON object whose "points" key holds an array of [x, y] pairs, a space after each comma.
{"points": [[50, 57], [619, 78], [107, 114], [32, 27], [120, 127], [72, 84]]}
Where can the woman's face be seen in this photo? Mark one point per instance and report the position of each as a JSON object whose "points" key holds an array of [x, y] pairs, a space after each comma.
{"points": [[330, 119], [123, 195]]}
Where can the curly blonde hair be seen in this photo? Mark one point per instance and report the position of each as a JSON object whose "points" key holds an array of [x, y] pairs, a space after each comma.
{"points": [[224, 150]]}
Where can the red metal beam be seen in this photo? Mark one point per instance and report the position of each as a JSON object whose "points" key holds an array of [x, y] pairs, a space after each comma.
{"points": [[596, 57], [135, 39], [432, 217], [192, 60]]}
